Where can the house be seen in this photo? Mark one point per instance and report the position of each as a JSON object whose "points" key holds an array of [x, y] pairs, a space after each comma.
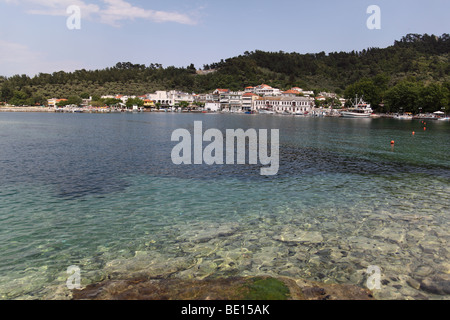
{"points": [[200, 98], [308, 93], [52, 103], [178, 97], [162, 98], [212, 106], [170, 98], [328, 95], [231, 101], [221, 91], [86, 102], [291, 93], [224, 100], [263, 90], [149, 103], [267, 91], [248, 100], [284, 104]]}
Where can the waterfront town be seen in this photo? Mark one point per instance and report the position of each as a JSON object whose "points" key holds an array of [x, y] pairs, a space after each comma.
{"points": [[262, 98]]}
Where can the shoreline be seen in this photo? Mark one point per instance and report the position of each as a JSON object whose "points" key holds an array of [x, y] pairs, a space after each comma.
{"points": [[26, 109], [103, 111]]}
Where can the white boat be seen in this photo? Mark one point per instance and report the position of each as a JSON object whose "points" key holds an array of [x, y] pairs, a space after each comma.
{"points": [[444, 119], [266, 111], [359, 109], [404, 117]]}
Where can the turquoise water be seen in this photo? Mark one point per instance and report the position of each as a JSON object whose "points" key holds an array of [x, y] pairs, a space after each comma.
{"points": [[100, 192]]}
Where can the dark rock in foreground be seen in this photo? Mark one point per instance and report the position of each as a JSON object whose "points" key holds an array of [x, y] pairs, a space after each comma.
{"points": [[252, 288]]}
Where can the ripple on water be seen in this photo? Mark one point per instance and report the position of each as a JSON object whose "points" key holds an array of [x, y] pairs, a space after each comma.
{"points": [[119, 209]]}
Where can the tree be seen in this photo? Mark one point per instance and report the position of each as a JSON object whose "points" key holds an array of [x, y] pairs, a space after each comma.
{"points": [[74, 100], [182, 104], [110, 102], [404, 96], [19, 98], [365, 88], [6, 92], [85, 95], [433, 97], [131, 102], [192, 68]]}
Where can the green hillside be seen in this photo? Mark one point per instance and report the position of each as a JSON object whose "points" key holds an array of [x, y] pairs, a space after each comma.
{"points": [[416, 66]]}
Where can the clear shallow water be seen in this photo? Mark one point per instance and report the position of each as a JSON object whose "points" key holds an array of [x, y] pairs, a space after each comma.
{"points": [[101, 192]]}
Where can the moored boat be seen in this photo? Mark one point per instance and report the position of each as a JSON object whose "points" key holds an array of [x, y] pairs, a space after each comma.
{"points": [[265, 111], [404, 117], [359, 109]]}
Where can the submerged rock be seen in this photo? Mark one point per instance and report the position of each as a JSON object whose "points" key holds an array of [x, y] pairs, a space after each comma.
{"points": [[300, 236], [238, 288], [437, 285]]}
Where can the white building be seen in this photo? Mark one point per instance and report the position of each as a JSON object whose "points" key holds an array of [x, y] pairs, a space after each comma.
{"points": [[212, 106], [267, 91], [171, 98], [248, 101], [178, 97], [285, 104], [235, 101], [264, 90]]}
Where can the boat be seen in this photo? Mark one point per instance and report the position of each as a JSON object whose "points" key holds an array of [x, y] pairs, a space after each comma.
{"points": [[444, 119], [266, 111], [359, 109], [403, 117]]}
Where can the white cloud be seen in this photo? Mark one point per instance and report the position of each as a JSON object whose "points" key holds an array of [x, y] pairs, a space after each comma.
{"points": [[118, 10], [59, 7], [113, 11]]}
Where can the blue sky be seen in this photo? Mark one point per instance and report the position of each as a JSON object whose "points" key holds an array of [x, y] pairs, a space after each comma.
{"points": [[34, 36]]}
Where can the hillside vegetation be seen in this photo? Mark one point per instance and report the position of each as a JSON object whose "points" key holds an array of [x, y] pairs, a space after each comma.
{"points": [[412, 73]]}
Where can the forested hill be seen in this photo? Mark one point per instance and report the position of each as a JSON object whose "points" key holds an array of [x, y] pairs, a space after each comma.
{"points": [[424, 57], [417, 58]]}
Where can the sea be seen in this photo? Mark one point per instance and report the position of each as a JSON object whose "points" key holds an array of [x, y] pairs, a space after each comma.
{"points": [[101, 194]]}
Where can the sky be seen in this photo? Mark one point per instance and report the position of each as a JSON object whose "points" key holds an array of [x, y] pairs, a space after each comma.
{"points": [[52, 35]]}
